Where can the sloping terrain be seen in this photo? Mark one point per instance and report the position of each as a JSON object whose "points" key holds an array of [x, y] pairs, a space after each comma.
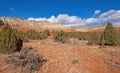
{"points": [[24, 25], [67, 58], [97, 28], [102, 29]]}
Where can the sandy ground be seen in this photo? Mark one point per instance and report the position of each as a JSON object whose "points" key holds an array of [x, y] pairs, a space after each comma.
{"points": [[75, 58]]}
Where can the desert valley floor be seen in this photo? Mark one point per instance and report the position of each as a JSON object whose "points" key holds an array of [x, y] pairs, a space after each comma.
{"points": [[74, 58]]}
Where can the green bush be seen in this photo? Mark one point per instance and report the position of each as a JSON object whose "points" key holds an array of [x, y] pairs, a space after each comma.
{"points": [[32, 34], [110, 36], [119, 38], [9, 40], [64, 36], [60, 37], [94, 38], [78, 35], [47, 32], [23, 36]]}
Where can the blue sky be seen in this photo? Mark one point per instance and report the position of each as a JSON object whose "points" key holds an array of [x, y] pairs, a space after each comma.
{"points": [[82, 9]]}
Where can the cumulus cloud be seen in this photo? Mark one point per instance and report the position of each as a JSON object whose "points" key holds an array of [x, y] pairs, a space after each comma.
{"points": [[91, 20], [74, 21], [66, 19], [37, 19], [12, 9], [63, 19], [97, 12], [111, 16]]}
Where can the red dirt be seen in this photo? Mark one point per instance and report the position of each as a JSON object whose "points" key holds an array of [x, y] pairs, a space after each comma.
{"points": [[90, 59], [78, 58]]}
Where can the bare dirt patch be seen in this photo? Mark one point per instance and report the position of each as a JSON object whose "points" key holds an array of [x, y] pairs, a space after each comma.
{"points": [[76, 58]]}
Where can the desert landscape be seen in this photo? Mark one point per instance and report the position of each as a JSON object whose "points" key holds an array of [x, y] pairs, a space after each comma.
{"points": [[59, 36], [77, 58], [73, 56]]}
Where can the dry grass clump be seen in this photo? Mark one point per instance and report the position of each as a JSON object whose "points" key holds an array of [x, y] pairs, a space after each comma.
{"points": [[25, 62], [75, 61]]}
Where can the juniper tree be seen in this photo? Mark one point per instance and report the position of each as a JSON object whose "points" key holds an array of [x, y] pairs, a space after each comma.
{"points": [[9, 40], [109, 36]]}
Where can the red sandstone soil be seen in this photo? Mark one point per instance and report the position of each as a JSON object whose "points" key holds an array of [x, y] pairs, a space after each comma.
{"points": [[75, 58]]}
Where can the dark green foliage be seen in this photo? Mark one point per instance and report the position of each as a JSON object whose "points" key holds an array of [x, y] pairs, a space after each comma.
{"points": [[60, 37], [64, 36], [47, 32], [9, 40], [23, 37], [78, 35], [119, 38], [110, 36], [27, 61], [94, 38], [32, 34]]}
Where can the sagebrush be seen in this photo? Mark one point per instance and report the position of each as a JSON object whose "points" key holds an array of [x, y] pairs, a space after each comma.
{"points": [[25, 62]]}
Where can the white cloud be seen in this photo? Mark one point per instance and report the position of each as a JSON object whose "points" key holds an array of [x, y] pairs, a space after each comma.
{"points": [[97, 12], [63, 19], [111, 16], [91, 20], [12, 9], [74, 21], [37, 19], [52, 19], [115, 16]]}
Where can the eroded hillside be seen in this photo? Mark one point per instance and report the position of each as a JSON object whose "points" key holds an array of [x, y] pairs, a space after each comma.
{"points": [[24, 25]]}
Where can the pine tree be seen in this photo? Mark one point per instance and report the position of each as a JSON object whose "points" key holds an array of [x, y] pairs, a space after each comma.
{"points": [[9, 40], [109, 36]]}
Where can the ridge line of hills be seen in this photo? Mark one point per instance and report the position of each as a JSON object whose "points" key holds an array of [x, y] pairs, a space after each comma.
{"points": [[24, 25]]}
